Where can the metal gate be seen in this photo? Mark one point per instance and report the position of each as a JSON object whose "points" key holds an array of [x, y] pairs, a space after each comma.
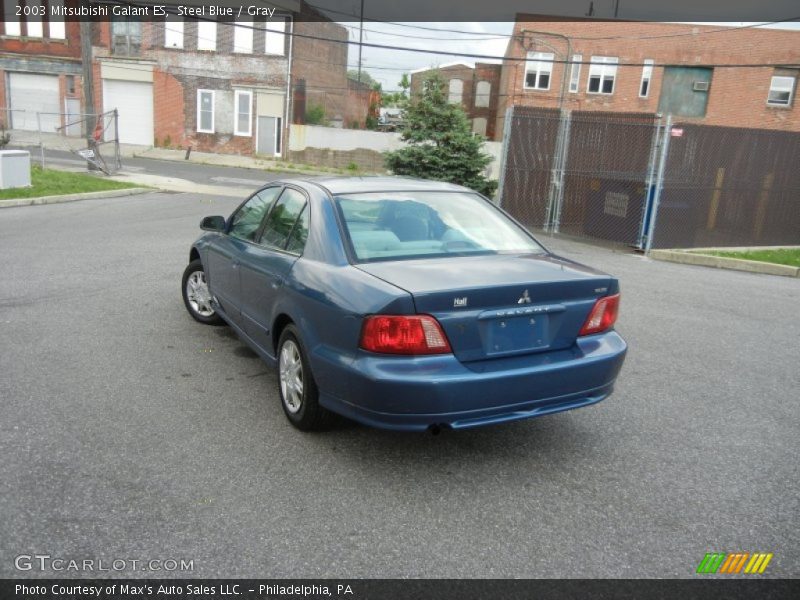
{"points": [[589, 174], [640, 180]]}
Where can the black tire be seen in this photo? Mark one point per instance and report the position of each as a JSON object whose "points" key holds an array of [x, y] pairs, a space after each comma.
{"points": [[209, 319], [307, 414]]}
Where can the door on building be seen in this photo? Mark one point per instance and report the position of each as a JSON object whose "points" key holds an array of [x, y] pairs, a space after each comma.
{"points": [[684, 91], [32, 93], [269, 136], [72, 117], [134, 102]]}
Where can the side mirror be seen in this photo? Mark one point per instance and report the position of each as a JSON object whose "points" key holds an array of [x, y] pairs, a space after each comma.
{"points": [[215, 223]]}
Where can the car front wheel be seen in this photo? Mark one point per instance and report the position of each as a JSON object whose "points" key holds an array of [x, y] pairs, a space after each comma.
{"points": [[196, 296], [298, 390]]}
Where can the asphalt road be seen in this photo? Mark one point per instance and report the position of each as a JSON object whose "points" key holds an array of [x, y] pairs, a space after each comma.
{"points": [[232, 177], [129, 431]]}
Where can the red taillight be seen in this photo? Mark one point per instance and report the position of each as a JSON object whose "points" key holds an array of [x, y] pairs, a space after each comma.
{"points": [[400, 334], [603, 315]]}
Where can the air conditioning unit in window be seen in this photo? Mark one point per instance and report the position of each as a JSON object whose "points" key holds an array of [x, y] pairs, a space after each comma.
{"points": [[700, 86]]}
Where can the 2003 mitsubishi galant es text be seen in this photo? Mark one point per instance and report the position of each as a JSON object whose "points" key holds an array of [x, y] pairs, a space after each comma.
{"points": [[404, 304]]}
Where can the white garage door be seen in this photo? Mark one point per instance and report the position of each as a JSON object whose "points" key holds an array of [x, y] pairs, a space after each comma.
{"points": [[134, 101], [31, 93]]}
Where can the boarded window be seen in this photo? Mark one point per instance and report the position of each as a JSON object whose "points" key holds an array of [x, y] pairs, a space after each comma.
{"points": [[483, 93], [455, 91]]}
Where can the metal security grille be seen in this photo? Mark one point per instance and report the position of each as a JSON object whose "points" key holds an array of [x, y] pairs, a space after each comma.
{"points": [[644, 181], [726, 186]]}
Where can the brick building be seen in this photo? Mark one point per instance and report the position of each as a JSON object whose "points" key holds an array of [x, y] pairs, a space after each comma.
{"points": [[178, 81], [474, 87], [40, 71], [674, 68]]}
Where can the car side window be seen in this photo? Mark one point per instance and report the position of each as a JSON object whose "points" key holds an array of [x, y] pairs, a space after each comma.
{"points": [[297, 241], [246, 221], [282, 219]]}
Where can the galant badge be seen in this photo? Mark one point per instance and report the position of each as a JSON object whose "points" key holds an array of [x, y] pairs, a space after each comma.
{"points": [[526, 299]]}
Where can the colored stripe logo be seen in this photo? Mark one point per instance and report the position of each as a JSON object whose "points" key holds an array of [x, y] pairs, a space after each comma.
{"points": [[735, 563]]}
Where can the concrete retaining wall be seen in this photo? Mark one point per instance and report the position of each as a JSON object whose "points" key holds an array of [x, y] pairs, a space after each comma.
{"points": [[340, 148]]}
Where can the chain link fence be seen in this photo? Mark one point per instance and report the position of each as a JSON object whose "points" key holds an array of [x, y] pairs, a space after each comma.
{"points": [[92, 138], [640, 180], [726, 186]]}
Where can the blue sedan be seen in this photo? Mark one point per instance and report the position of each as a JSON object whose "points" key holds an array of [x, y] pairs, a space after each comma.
{"points": [[404, 304]]}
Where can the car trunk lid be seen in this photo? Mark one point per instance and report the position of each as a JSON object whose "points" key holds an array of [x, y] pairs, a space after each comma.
{"points": [[500, 305]]}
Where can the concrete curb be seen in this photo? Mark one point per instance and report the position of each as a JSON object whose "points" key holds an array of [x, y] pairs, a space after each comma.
{"points": [[721, 262], [73, 197], [234, 160]]}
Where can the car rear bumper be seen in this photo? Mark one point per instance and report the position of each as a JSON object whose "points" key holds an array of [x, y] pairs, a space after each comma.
{"points": [[414, 394]]}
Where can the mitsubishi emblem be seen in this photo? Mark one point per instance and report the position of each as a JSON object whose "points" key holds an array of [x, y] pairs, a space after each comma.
{"points": [[525, 299]]}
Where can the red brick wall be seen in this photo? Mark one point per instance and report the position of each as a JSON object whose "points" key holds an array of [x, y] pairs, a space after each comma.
{"points": [[169, 115], [322, 64], [491, 73], [737, 96], [66, 48], [470, 78]]}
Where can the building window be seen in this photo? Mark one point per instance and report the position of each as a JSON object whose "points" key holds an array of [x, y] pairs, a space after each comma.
{"points": [[35, 29], [538, 69], [173, 33], [479, 126], [70, 83], [602, 73], [243, 37], [126, 37], [647, 75], [575, 73], [483, 93], [455, 91], [205, 111], [206, 35], [11, 20], [56, 27], [275, 37], [243, 101], [781, 91]]}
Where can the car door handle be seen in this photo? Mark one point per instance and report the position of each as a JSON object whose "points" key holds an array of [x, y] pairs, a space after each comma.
{"points": [[277, 282], [235, 264]]}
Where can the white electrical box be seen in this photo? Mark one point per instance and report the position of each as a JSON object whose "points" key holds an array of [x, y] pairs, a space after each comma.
{"points": [[15, 169]]}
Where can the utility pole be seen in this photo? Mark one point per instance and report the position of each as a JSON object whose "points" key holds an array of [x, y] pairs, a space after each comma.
{"points": [[88, 85], [360, 40]]}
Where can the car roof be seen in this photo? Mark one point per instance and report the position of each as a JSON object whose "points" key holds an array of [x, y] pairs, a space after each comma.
{"points": [[351, 185]]}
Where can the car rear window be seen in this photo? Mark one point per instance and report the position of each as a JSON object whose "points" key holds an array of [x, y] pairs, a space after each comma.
{"points": [[394, 226]]}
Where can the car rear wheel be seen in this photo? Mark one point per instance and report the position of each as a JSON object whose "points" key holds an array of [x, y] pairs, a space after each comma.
{"points": [[298, 390], [196, 296]]}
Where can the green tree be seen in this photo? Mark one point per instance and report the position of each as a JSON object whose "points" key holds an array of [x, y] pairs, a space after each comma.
{"points": [[440, 143], [404, 84], [315, 114]]}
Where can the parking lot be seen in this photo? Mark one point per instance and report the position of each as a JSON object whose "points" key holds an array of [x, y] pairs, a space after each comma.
{"points": [[128, 430]]}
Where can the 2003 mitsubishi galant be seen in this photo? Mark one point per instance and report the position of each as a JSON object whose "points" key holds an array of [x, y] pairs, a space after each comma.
{"points": [[404, 304]]}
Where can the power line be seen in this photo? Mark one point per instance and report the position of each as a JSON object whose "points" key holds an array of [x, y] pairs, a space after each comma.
{"points": [[511, 35], [480, 56]]}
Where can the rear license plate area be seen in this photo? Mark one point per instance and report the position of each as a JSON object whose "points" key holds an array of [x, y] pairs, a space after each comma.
{"points": [[515, 334]]}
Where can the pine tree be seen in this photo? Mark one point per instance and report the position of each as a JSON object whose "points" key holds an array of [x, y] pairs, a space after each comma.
{"points": [[439, 142]]}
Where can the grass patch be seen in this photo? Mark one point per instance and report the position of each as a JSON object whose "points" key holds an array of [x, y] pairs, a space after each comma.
{"points": [[781, 256], [49, 182]]}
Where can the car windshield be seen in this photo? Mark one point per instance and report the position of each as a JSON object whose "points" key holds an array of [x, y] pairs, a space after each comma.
{"points": [[393, 226]]}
